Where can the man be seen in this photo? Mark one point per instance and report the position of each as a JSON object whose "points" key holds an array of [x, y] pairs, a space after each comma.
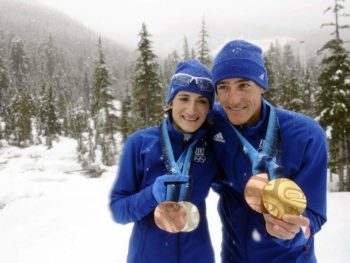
{"points": [[298, 152]]}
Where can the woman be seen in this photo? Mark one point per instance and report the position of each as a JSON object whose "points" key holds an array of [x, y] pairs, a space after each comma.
{"points": [[153, 170]]}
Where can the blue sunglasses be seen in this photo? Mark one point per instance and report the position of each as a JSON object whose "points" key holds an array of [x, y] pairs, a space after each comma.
{"points": [[184, 80]]}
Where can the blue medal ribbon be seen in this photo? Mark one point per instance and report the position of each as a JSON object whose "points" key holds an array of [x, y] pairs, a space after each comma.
{"points": [[267, 159], [181, 166]]}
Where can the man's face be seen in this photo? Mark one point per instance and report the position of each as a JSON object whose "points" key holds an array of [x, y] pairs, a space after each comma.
{"points": [[241, 100]]}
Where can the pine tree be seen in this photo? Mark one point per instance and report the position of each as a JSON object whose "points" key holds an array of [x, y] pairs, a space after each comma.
{"points": [[273, 58], [48, 124], [186, 49], [169, 68], [147, 90], [103, 110], [203, 52], [286, 78], [308, 87], [4, 87], [63, 113], [87, 154], [19, 120], [193, 53], [86, 89], [78, 121], [333, 99], [289, 87], [336, 9], [271, 79], [125, 118], [50, 52], [19, 65]]}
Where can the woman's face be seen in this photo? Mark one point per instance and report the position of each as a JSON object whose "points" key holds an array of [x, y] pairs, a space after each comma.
{"points": [[189, 111]]}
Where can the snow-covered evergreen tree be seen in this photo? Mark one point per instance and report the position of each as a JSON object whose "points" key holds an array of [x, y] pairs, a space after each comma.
{"points": [[48, 124], [50, 53], [169, 68], [103, 110], [125, 118], [19, 120], [186, 50], [289, 89], [19, 65], [308, 90], [147, 90], [4, 86], [203, 52], [273, 63], [334, 104], [333, 99]]}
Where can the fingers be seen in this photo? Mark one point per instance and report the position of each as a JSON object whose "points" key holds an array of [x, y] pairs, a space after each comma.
{"points": [[279, 232], [286, 228], [297, 220]]}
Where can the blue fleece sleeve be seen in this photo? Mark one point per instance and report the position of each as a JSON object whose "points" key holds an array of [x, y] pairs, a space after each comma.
{"points": [[129, 203], [312, 179]]}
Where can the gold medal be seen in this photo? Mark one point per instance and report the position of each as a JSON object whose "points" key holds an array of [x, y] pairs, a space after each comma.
{"points": [[192, 216], [170, 216], [253, 192], [283, 196]]}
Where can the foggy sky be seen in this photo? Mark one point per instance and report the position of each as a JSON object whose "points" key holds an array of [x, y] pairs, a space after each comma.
{"points": [[169, 21]]}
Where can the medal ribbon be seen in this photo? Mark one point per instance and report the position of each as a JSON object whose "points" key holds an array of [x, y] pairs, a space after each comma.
{"points": [[267, 158], [182, 166]]}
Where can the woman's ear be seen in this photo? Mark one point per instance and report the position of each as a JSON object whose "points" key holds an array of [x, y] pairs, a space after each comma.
{"points": [[167, 108]]}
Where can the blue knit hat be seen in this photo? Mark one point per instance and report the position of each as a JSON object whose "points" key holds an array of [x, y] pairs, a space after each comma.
{"points": [[185, 79], [240, 59]]}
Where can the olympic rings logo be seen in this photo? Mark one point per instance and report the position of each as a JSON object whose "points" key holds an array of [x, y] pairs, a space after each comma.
{"points": [[199, 155]]}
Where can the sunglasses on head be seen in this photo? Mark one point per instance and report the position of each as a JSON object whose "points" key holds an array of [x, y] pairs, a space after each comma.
{"points": [[184, 80]]}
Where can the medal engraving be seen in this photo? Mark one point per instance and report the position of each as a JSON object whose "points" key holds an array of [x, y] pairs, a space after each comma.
{"points": [[283, 196]]}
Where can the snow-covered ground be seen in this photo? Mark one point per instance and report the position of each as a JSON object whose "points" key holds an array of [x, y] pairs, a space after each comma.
{"points": [[50, 212]]}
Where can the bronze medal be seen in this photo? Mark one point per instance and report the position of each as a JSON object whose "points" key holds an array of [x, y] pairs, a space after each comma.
{"points": [[170, 216], [192, 216], [283, 196], [253, 192]]}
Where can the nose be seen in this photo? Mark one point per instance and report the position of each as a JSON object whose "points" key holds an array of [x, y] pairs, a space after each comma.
{"points": [[192, 107], [233, 96]]}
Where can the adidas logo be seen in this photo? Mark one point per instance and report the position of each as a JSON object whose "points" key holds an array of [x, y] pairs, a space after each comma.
{"points": [[262, 76], [219, 138]]}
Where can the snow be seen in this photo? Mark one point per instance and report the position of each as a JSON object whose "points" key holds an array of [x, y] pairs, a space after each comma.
{"points": [[50, 212]]}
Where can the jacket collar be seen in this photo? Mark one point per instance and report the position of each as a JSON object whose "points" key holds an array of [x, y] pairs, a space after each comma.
{"points": [[180, 137]]}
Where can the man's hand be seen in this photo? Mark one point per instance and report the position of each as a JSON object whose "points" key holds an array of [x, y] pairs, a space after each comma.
{"points": [[286, 228]]}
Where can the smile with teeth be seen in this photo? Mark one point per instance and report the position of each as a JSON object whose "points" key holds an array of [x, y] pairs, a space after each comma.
{"points": [[190, 118], [236, 109]]}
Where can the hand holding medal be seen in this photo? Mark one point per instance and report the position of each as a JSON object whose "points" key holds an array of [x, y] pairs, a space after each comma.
{"points": [[268, 192], [170, 216], [176, 213], [277, 197]]}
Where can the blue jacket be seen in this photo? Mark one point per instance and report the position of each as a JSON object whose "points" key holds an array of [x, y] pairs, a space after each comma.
{"points": [[132, 200], [304, 160]]}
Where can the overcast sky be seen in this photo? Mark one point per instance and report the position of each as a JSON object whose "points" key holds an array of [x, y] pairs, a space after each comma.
{"points": [[170, 20]]}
